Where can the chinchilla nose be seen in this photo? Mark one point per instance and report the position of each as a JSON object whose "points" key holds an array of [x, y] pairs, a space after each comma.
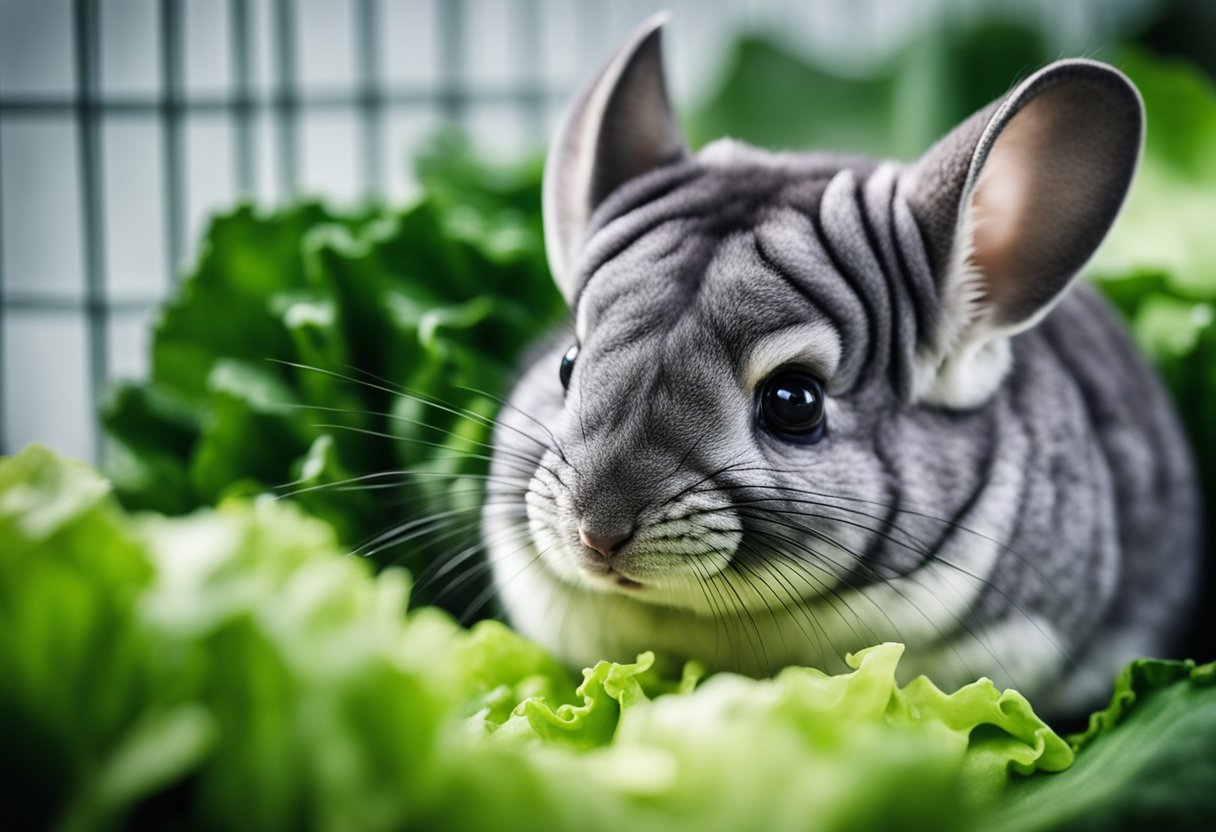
{"points": [[605, 544]]}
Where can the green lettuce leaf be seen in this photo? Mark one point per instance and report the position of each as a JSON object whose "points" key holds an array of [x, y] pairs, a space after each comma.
{"points": [[350, 360], [233, 668], [1147, 761]]}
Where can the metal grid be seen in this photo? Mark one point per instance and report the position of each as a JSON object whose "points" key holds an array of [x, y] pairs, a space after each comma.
{"points": [[62, 339], [281, 104]]}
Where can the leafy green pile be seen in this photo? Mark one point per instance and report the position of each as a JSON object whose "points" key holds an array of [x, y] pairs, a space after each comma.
{"points": [[233, 669], [306, 351]]}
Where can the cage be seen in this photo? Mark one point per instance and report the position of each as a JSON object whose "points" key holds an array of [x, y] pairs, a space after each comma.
{"points": [[124, 124]]}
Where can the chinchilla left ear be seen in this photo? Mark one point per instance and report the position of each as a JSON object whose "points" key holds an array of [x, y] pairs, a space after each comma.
{"points": [[1011, 205], [620, 126]]}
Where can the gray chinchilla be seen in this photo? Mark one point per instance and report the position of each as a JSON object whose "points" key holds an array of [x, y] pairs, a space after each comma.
{"points": [[820, 401]]}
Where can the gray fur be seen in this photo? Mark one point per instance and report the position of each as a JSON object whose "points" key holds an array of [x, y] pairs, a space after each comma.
{"points": [[619, 126], [1040, 532]]}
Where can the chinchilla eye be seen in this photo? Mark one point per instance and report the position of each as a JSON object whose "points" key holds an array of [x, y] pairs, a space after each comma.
{"points": [[791, 406], [568, 366]]}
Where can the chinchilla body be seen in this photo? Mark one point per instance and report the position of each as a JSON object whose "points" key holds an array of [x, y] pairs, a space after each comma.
{"points": [[815, 402]]}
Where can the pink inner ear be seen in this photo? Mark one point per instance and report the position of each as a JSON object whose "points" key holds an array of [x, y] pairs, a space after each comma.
{"points": [[999, 212], [1043, 200]]}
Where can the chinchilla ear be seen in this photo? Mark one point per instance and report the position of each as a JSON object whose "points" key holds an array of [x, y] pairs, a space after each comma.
{"points": [[1011, 205], [620, 125]]}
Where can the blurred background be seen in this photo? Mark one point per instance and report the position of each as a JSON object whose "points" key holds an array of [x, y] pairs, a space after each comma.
{"points": [[294, 248], [124, 124]]}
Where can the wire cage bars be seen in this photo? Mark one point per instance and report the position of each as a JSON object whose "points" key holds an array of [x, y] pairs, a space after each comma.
{"points": [[124, 123], [90, 262]]}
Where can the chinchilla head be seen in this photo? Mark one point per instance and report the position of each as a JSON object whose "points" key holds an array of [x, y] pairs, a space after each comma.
{"points": [[782, 427]]}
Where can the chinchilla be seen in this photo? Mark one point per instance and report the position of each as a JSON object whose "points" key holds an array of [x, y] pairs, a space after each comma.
{"points": [[821, 401]]}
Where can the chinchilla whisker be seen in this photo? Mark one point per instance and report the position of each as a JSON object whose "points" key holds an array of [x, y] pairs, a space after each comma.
{"points": [[751, 559], [898, 509], [761, 501], [967, 620], [810, 576], [420, 528], [718, 584], [431, 399], [434, 530], [744, 608], [544, 513], [833, 595], [701, 581], [384, 386], [414, 527], [895, 588], [519, 464], [407, 503], [280, 494], [579, 599], [687, 585], [859, 561], [398, 500], [925, 551], [530, 459], [821, 557], [444, 565], [379, 434], [756, 578], [929, 557], [717, 607], [922, 551], [835, 599], [676, 496], [395, 486], [581, 426], [509, 405], [404, 477], [760, 650], [431, 524], [459, 537], [824, 641], [387, 386], [405, 420], [692, 447], [471, 572], [1017, 606], [477, 570], [489, 593]]}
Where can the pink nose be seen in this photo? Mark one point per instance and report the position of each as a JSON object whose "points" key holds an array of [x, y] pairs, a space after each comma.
{"points": [[606, 545]]}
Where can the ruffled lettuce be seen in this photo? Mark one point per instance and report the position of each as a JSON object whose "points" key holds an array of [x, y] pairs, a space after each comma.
{"points": [[1146, 761], [233, 668]]}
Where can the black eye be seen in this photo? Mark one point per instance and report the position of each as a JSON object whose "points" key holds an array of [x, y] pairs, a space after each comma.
{"points": [[791, 406], [568, 366]]}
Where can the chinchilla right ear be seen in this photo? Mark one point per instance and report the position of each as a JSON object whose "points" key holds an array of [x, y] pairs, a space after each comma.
{"points": [[620, 126], [1011, 204]]}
